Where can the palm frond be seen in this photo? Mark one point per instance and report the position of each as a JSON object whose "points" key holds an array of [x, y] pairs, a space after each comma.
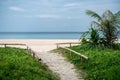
{"points": [[93, 14], [84, 34], [117, 14], [117, 17], [95, 24]]}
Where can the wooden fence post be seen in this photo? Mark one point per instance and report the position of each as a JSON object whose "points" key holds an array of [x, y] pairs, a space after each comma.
{"points": [[57, 46], [70, 45], [70, 51], [5, 45], [33, 54], [28, 50]]}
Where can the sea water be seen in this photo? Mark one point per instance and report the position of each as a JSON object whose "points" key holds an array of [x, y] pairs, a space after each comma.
{"points": [[40, 35]]}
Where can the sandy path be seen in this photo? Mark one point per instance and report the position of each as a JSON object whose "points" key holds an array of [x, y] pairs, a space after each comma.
{"points": [[56, 62]]}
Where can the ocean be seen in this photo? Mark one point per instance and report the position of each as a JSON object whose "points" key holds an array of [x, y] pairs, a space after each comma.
{"points": [[40, 35]]}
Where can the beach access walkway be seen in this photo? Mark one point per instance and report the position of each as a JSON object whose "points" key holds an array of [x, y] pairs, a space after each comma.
{"points": [[57, 63]]}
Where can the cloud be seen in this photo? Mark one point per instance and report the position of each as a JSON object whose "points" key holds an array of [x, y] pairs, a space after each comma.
{"points": [[51, 16], [48, 16], [14, 8], [71, 5]]}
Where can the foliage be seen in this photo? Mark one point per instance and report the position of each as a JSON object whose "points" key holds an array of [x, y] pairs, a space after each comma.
{"points": [[16, 64], [103, 63], [107, 25], [84, 41], [92, 35]]}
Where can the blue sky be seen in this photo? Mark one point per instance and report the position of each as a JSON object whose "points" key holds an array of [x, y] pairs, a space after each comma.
{"points": [[50, 15]]}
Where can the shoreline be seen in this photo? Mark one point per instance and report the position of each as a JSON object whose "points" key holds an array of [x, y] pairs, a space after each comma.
{"points": [[38, 41], [41, 45]]}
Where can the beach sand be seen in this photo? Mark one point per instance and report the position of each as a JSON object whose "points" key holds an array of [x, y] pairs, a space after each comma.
{"points": [[37, 41], [38, 44]]}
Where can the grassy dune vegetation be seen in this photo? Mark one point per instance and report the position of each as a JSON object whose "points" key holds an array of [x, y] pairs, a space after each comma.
{"points": [[15, 64], [103, 63]]}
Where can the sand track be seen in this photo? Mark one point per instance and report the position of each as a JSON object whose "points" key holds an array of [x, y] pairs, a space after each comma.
{"points": [[56, 62]]}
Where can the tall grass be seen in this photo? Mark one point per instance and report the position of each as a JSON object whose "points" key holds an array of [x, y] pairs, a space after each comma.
{"points": [[15, 64], [103, 63]]}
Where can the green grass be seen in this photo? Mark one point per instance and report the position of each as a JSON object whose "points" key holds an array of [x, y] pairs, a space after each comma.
{"points": [[103, 63], [16, 64]]}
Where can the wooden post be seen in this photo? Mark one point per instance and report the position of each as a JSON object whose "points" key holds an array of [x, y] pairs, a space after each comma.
{"points": [[57, 46], [5, 46], [70, 51], [33, 54], [28, 50], [70, 45]]}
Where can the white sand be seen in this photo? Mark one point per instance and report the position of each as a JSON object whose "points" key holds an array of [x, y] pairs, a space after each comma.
{"points": [[37, 41], [56, 62], [38, 44]]}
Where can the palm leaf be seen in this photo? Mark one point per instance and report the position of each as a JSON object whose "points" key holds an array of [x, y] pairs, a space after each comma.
{"points": [[93, 14], [95, 24], [117, 14], [117, 18], [84, 34]]}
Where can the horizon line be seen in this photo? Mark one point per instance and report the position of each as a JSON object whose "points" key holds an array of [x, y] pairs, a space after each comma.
{"points": [[47, 32]]}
